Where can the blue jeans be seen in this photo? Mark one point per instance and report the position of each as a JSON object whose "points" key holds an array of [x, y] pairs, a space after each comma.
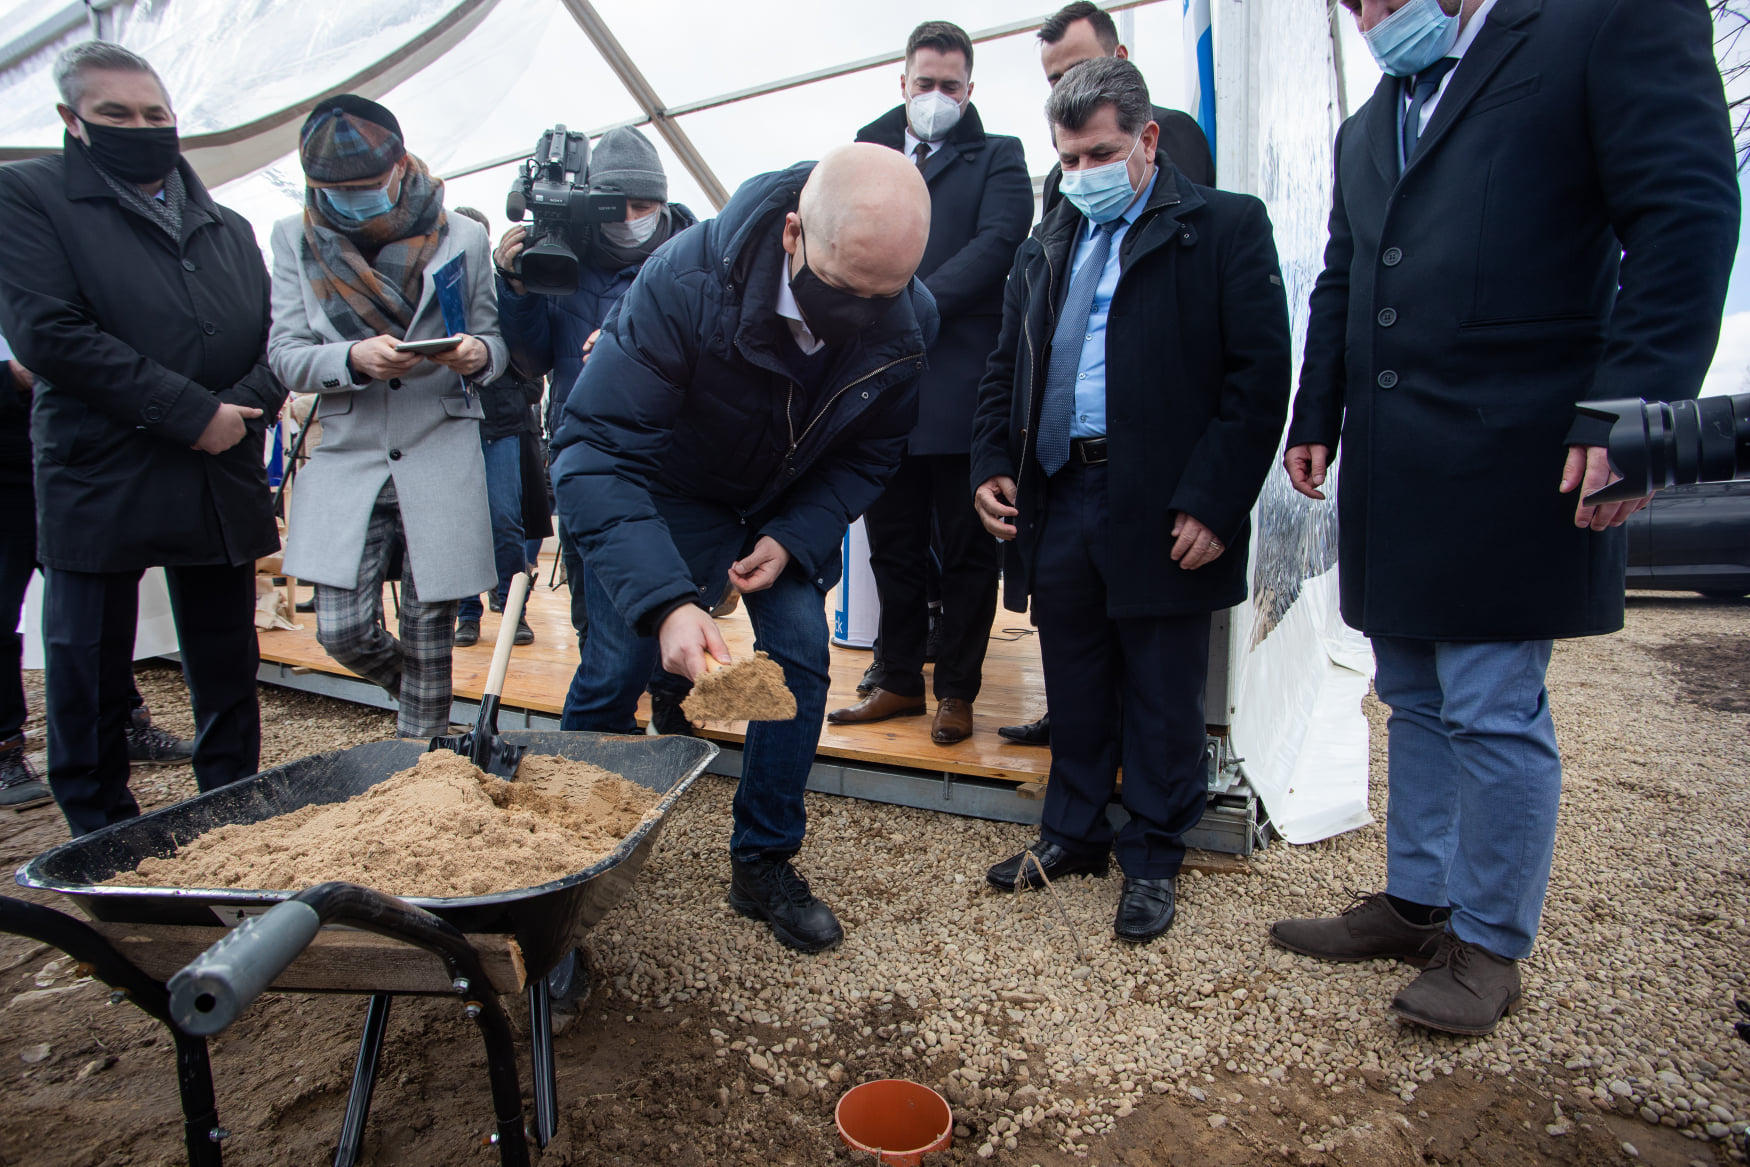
{"points": [[1475, 783], [504, 498], [789, 623]]}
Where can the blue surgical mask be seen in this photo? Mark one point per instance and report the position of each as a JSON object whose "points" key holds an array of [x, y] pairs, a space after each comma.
{"points": [[354, 204], [1101, 192], [1412, 38]]}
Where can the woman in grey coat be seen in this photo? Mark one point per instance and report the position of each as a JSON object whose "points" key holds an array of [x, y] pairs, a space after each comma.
{"points": [[400, 465]]}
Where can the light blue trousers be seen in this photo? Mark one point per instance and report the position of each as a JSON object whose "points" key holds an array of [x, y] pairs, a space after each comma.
{"points": [[1475, 783]]}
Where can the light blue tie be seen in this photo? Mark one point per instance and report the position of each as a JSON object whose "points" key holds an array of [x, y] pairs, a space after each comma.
{"points": [[1066, 353]]}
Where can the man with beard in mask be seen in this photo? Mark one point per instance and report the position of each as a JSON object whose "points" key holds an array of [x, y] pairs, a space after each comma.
{"points": [[747, 399], [981, 204], [142, 308], [551, 335]]}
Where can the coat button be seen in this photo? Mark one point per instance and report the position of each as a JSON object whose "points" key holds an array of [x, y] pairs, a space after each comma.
{"points": [[394, 382], [1388, 317], [153, 413], [1388, 380], [190, 265], [394, 455], [1392, 257], [209, 327]]}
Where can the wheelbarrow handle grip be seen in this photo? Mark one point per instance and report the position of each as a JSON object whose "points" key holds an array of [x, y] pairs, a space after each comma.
{"points": [[513, 614], [215, 987]]}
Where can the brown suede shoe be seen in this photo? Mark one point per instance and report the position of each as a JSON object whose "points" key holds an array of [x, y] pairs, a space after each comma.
{"points": [[953, 721], [1369, 929], [1466, 989], [879, 705]]}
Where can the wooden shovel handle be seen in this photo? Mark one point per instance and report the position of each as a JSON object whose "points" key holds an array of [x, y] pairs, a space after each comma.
{"points": [[513, 614]]}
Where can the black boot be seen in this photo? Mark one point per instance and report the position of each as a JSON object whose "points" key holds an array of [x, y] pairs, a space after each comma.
{"points": [[769, 889], [666, 717]]}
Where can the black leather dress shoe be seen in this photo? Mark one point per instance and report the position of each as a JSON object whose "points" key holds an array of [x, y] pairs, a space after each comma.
{"points": [[871, 679], [1056, 861], [1034, 733], [1146, 908]]}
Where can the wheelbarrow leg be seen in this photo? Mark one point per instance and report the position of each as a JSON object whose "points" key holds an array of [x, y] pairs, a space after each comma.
{"points": [[364, 1080], [541, 1065], [200, 1119]]}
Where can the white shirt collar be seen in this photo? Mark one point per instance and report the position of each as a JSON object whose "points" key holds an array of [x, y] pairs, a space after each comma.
{"points": [[792, 315], [1471, 30]]}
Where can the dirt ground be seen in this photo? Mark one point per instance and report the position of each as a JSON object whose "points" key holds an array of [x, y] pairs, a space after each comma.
{"points": [[91, 1083]]}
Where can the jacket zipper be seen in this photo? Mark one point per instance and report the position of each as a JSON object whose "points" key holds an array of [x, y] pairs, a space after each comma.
{"points": [[1033, 374], [790, 400]]}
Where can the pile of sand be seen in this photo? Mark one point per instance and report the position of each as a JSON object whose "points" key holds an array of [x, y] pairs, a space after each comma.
{"points": [[748, 690], [443, 828]]}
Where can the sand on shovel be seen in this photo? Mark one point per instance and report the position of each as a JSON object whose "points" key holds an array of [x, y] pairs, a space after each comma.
{"points": [[748, 690], [442, 828]]}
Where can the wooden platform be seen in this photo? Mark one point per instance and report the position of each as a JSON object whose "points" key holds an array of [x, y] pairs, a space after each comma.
{"points": [[1014, 688]]}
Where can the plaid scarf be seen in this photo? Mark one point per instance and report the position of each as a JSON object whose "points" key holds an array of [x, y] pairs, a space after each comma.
{"points": [[165, 212], [365, 298]]}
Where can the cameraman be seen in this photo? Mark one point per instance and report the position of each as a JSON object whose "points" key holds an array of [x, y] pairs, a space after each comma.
{"points": [[550, 335]]}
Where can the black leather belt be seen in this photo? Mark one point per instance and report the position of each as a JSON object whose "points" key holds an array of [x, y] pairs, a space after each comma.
{"points": [[1087, 451]]}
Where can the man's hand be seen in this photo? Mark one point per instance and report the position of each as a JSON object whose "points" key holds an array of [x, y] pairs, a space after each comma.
{"points": [[505, 257], [762, 567], [227, 428], [1195, 545], [589, 344], [994, 500], [467, 358], [687, 636], [377, 359], [1588, 468], [22, 378], [1306, 469]]}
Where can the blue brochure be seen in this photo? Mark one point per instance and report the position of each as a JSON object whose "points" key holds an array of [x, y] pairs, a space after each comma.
{"points": [[451, 281]]}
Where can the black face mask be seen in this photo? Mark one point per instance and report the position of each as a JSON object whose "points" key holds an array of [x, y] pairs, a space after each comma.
{"points": [[833, 314], [141, 155]]}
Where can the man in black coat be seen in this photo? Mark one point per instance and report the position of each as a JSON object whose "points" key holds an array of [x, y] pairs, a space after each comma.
{"points": [[1125, 425], [748, 397], [142, 307], [1537, 207], [981, 204], [1080, 32]]}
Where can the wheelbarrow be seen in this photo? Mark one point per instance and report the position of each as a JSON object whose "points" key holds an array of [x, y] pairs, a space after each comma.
{"points": [[513, 941]]}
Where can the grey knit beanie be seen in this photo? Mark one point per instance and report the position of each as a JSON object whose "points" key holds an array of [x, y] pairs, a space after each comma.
{"points": [[625, 163]]}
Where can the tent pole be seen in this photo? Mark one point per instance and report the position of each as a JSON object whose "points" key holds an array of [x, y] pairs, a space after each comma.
{"points": [[608, 45]]}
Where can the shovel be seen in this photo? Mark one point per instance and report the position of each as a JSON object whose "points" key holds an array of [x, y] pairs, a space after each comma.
{"points": [[482, 745]]}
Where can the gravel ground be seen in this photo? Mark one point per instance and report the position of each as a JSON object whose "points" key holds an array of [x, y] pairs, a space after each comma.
{"points": [[1054, 1041]]}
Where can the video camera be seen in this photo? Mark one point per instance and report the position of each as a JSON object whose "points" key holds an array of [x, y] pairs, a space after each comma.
{"points": [[553, 189], [1656, 444]]}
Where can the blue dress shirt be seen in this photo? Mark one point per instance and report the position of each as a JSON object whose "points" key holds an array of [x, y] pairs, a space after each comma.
{"points": [[1089, 420]]}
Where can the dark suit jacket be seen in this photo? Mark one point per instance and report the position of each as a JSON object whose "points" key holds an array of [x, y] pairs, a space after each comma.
{"points": [[1466, 306], [981, 204], [1181, 138], [1198, 368]]}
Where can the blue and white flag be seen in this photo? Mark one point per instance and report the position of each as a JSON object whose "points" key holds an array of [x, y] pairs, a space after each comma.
{"points": [[1200, 66]]}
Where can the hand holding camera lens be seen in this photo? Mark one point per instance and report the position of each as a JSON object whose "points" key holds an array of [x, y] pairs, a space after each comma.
{"points": [[509, 248]]}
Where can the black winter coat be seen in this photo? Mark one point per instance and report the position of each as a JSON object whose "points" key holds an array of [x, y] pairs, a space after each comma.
{"points": [[1183, 142], [686, 394], [1467, 306], [981, 204], [1198, 368], [135, 339]]}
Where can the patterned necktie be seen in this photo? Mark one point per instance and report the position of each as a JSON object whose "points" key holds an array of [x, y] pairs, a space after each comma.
{"points": [[922, 153], [1426, 85], [1066, 352]]}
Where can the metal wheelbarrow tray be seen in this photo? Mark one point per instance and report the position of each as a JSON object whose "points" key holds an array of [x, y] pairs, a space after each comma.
{"points": [[548, 920]]}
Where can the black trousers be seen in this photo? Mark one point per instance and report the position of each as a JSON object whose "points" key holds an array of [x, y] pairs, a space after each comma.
{"points": [[88, 637], [1135, 684], [898, 523], [17, 562]]}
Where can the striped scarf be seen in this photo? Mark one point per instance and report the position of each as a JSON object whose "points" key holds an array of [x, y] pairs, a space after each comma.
{"points": [[166, 212], [365, 298]]}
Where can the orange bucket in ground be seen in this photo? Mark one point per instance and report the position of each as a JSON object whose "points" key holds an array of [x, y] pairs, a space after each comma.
{"points": [[902, 1121]]}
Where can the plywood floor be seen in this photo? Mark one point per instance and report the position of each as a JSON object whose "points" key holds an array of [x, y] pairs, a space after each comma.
{"points": [[1014, 688]]}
